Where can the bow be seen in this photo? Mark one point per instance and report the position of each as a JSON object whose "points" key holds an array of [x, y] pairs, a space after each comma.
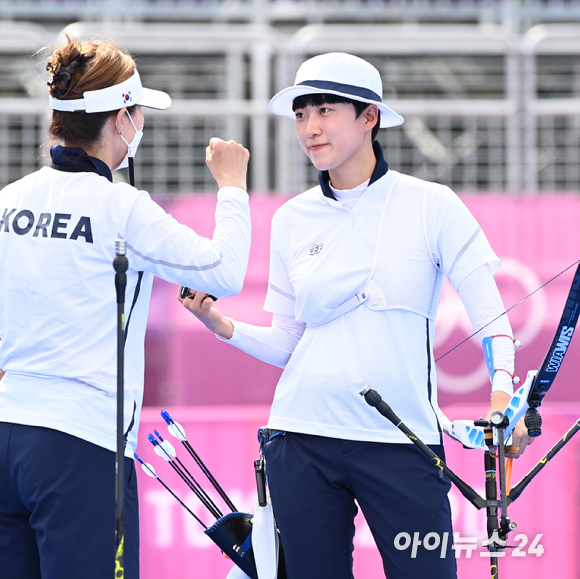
{"points": [[526, 401]]}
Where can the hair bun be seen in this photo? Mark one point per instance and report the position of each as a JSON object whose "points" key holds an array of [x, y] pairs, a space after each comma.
{"points": [[61, 73]]}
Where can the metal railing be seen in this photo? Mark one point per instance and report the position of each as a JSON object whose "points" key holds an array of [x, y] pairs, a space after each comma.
{"points": [[455, 85], [485, 109], [517, 15], [23, 112], [552, 107]]}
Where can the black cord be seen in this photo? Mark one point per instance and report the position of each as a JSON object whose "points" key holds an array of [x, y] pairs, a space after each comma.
{"points": [[508, 310]]}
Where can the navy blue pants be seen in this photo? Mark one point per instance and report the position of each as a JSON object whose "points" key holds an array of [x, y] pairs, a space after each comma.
{"points": [[57, 507], [314, 482]]}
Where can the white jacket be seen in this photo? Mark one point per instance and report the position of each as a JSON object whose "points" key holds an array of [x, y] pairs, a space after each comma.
{"points": [[58, 319]]}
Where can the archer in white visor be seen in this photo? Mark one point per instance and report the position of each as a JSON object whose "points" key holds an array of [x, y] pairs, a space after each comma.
{"points": [[58, 325], [119, 95]]}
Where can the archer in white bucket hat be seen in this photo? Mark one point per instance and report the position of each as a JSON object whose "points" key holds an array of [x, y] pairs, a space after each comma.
{"points": [[340, 74], [356, 268]]}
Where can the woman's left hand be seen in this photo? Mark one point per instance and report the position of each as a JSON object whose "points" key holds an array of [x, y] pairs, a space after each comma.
{"points": [[520, 438]]}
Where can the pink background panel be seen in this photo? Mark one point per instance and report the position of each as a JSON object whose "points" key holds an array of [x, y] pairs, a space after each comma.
{"points": [[222, 395], [535, 237]]}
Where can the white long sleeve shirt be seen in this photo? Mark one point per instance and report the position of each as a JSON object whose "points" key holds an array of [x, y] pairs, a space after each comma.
{"points": [[58, 312], [325, 247], [478, 291]]}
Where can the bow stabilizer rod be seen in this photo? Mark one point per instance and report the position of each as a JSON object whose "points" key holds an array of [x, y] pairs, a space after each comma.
{"points": [[374, 399]]}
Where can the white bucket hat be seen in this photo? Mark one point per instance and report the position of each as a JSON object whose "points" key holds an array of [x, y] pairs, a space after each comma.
{"points": [[125, 94], [340, 74]]}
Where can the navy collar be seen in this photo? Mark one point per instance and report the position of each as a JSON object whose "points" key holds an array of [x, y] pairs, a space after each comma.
{"points": [[73, 160], [381, 169]]}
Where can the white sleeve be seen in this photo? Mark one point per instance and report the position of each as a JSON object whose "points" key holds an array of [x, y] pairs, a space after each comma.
{"points": [[280, 297], [273, 345], [159, 244], [483, 303], [460, 245]]}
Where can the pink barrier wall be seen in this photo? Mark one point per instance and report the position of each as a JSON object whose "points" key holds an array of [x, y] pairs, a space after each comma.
{"points": [[173, 544], [535, 237], [222, 395]]}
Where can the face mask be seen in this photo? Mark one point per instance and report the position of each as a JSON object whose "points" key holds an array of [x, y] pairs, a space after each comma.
{"points": [[132, 147]]}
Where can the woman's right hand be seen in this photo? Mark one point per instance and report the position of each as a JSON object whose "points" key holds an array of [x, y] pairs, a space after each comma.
{"points": [[201, 306], [228, 163]]}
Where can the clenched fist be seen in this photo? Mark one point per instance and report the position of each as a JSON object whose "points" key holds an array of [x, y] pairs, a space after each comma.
{"points": [[228, 163]]}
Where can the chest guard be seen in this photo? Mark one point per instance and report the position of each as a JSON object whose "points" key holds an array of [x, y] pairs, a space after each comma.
{"points": [[405, 275]]}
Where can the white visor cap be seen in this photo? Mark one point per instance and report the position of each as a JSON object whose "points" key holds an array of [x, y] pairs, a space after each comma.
{"points": [[341, 74], [125, 94]]}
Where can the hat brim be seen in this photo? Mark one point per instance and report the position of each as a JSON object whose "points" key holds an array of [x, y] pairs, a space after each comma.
{"points": [[154, 99], [281, 103]]}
